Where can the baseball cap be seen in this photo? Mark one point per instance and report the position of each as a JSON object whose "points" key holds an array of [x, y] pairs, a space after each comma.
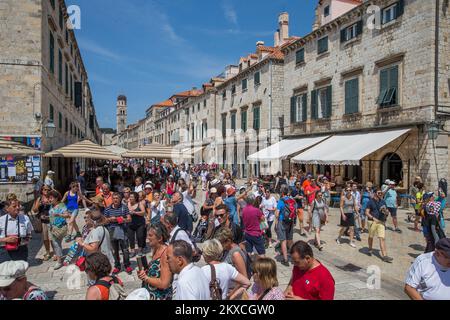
{"points": [[148, 185], [428, 195], [215, 182], [231, 191], [12, 270], [444, 245], [213, 190], [50, 172], [387, 182]]}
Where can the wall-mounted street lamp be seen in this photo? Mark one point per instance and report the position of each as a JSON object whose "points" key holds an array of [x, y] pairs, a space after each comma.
{"points": [[434, 129], [50, 129]]}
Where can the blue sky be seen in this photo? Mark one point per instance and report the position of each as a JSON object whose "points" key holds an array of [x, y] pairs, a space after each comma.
{"points": [[150, 49]]}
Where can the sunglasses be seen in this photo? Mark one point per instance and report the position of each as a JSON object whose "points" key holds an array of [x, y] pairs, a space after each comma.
{"points": [[220, 215]]}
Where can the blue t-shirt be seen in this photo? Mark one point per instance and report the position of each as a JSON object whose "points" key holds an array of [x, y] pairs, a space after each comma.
{"points": [[391, 198], [375, 209], [231, 203], [280, 207]]}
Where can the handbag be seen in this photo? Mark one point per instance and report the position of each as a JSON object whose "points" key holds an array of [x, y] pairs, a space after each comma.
{"points": [[59, 233], [12, 246], [35, 222]]}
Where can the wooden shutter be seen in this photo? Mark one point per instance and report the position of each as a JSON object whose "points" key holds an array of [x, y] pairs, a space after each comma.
{"points": [[304, 107], [348, 90], [343, 34], [359, 27], [328, 109], [314, 104], [293, 109], [400, 8], [384, 85], [351, 96], [393, 83]]}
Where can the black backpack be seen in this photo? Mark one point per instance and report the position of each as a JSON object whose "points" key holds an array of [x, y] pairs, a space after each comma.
{"points": [[443, 186]]}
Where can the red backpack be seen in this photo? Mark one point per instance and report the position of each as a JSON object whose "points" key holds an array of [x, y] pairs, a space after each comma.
{"points": [[289, 210]]}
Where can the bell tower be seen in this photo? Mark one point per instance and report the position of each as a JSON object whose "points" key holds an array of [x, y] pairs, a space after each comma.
{"points": [[121, 114]]}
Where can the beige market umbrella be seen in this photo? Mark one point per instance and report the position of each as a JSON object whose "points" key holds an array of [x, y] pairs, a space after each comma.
{"points": [[116, 150], [155, 151], [12, 148], [84, 150]]}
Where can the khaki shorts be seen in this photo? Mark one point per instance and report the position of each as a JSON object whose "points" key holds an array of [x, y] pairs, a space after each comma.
{"points": [[376, 229]]}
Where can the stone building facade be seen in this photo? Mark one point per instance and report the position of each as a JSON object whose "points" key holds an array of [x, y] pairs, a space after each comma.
{"points": [[378, 78], [43, 79]]}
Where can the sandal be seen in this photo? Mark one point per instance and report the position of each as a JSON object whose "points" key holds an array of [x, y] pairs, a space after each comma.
{"points": [[47, 256]]}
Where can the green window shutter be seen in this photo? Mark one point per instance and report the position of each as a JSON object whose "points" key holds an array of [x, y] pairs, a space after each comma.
{"points": [[60, 66], [343, 35], [67, 78], [293, 109], [244, 121], [52, 53], [300, 56], [393, 83], [329, 111], [348, 90], [60, 121], [384, 85], [257, 78], [351, 96], [400, 8], [305, 107], [359, 27], [52, 114], [314, 104]]}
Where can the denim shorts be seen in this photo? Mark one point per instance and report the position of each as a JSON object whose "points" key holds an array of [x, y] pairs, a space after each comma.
{"points": [[255, 242], [74, 213], [393, 212]]}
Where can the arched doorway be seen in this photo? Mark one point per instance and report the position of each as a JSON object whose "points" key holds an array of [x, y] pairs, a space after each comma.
{"points": [[391, 168]]}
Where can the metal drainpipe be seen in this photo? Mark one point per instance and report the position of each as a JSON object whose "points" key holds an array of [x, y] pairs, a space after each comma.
{"points": [[270, 102], [436, 62]]}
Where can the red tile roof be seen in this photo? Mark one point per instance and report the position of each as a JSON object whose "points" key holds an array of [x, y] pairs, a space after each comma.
{"points": [[167, 103]]}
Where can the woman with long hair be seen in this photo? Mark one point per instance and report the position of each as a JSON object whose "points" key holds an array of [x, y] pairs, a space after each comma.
{"points": [[42, 207], [136, 229], [158, 278]]}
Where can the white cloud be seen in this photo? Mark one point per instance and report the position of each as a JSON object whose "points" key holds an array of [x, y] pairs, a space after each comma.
{"points": [[230, 13], [95, 48]]}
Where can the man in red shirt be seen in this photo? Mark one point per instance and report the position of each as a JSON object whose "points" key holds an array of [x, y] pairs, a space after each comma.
{"points": [[310, 192], [310, 279], [98, 186]]}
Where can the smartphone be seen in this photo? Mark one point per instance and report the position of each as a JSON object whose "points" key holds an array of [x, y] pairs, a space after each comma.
{"points": [[142, 263]]}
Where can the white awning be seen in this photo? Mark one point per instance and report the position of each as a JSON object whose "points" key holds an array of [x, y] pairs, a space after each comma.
{"points": [[285, 148], [348, 149]]}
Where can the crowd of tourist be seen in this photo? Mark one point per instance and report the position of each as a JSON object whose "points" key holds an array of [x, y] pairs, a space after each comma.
{"points": [[151, 210]]}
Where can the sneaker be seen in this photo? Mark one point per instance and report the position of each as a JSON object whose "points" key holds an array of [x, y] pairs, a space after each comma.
{"points": [[129, 270], [398, 230], [116, 271], [352, 244], [58, 266], [358, 238], [387, 259], [338, 241], [320, 248], [285, 263], [369, 253]]}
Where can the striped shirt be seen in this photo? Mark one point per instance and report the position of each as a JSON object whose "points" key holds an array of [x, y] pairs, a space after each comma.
{"points": [[121, 211]]}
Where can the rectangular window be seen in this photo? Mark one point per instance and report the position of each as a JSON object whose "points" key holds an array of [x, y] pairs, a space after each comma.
{"points": [[300, 56], [71, 86], [224, 94], [299, 108], [52, 2], [321, 103], [198, 107], [61, 18], [224, 125], [52, 53], [52, 114], [326, 11], [256, 118], [322, 45], [233, 121], [352, 31], [204, 103], [60, 122], [60, 67], [67, 36], [244, 120], [233, 89], [66, 69], [66, 125], [257, 78], [244, 85], [389, 92], [352, 96]]}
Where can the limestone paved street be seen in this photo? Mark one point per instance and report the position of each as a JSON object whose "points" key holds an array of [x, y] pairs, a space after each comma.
{"points": [[347, 265]]}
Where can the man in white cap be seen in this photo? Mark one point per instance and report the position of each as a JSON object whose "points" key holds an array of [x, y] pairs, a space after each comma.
{"points": [[14, 284]]}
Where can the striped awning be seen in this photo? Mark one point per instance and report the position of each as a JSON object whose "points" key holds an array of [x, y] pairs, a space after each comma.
{"points": [[12, 148], [116, 149], [85, 150], [157, 151]]}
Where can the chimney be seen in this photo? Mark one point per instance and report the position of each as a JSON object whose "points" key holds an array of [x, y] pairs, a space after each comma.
{"points": [[276, 39], [317, 19], [283, 21], [259, 44]]}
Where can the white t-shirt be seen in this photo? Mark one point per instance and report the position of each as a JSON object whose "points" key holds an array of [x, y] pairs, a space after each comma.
{"points": [[428, 277], [181, 235], [161, 209], [269, 206], [96, 235], [139, 188], [185, 176], [187, 201], [225, 273], [191, 284]]}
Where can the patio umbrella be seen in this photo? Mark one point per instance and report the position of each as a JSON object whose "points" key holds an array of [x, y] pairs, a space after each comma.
{"points": [[12, 148], [155, 151], [84, 150]]}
